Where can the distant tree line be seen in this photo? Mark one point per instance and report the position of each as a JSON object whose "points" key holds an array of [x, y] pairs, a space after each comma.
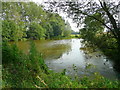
{"points": [[27, 20]]}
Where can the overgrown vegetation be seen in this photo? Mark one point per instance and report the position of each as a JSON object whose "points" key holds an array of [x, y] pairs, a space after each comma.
{"points": [[94, 36], [30, 71], [29, 20]]}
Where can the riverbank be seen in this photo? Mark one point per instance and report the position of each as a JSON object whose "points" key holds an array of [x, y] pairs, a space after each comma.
{"points": [[108, 45], [30, 71], [65, 37]]}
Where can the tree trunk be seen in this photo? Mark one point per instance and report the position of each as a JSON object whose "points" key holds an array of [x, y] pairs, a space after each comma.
{"points": [[118, 42], [116, 29]]}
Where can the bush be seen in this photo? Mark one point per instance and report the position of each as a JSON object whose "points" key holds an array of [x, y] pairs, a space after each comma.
{"points": [[30, 71]]}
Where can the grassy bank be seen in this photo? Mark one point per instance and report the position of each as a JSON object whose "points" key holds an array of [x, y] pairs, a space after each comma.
{"points": [[30, 71], [66, 37]]}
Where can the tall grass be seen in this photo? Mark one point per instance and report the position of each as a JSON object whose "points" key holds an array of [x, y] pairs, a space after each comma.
{"points": [[20, 70], [30, 71]]}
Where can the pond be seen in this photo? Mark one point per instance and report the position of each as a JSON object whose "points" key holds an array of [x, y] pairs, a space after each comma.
{"points": [[68, 54]]}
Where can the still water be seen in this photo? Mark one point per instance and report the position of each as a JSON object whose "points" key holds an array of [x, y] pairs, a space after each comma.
{"points": [[66, 54]]}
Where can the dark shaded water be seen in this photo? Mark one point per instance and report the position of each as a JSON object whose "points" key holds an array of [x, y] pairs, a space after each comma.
{"points": [[66, 54]]}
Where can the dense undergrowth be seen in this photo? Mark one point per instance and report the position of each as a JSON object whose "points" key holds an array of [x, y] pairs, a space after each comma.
{"points": [[30, 71]]}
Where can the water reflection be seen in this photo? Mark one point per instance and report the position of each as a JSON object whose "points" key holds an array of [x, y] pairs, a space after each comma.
{"points": [[81, 60], [51, 49], [67, 54]]}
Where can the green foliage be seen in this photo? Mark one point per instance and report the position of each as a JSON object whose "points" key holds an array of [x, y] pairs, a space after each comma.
{"points": [[30, 71], [10, 31], [29, 20], [21, 70], [56, 28], [67, 31], [49, 31], [35, 31], [92, 28], [98, 81], [94, 36], [10, 52]]}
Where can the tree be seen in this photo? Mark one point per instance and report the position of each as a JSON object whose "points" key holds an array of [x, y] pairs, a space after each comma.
{"points": [[20, 18], [35, 31], [49, 30], [11, 31], [92, 28], [67, 31], [78, 10], [56, 28]]}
